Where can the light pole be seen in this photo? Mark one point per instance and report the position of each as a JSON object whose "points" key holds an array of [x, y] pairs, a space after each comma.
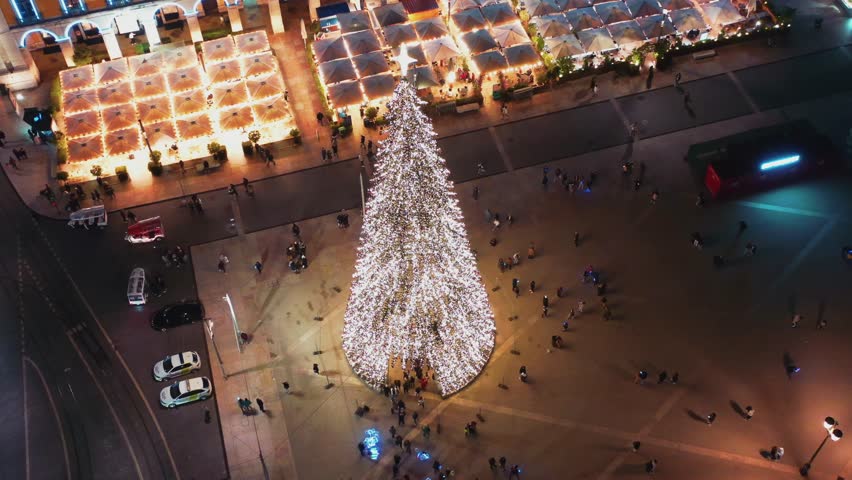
{"points": [[833, 432]]}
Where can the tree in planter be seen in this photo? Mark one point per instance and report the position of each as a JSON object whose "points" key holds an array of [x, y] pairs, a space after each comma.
{"points": [[371, 113], [217, 151], [96, 171], [297, 136], [254, 137], [121, 172], [154, 166]]}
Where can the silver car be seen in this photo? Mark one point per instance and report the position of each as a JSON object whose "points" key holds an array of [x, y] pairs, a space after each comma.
{"points": [[176, 365]]}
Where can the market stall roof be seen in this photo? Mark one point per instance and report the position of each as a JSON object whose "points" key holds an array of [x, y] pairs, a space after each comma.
{"points": [[82, 125], [154, 110], [147, 64], [499, 13], [122, 116], [188, 103], [656, 26], [478, 41], [372, 63], [390, 14], [354, 21], [236, 119], [431, 29], [722, 13], [77, 78], [85, 148], [396, 35], [346, 93], [222, 72], [219, 50], [584, 19], [362, 42], [564, 46], [378, 86], [672, 5], [627, 34], [613, 12], [468, 20], [550, 26], [115, 94], [259, 64], [521, 55], [687, 19], [596, 40], [337, 71], [161, 135], [79, 101], [415, 7], [416, 52], [228, 95], [124, 141], [489, 62], [252, 42], [510, 34], [328, 49], [150, 86], [644, 8], [575, 4], [260, 88], [460, 5], [537, 8], [181, 57], [271, 110], [194, 126], [424, 77], [440, 49], [113, 71], [190, 78]]}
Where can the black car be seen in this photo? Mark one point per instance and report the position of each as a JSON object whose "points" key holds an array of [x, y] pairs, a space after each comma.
{"points": [[176, 315]]}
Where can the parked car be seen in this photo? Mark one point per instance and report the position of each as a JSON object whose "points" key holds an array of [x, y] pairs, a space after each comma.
{"points": [[176, 315], [176, 365], [186, 391]]}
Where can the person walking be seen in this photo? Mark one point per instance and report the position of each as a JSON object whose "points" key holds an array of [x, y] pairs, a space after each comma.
{"points": [[796, 319], [581, 305], [749, 412], [363, 142], [123, 215], [476, 193], [222, 266], [504, 111], [594, 87], [232, 190], [640, 377], [662, 377], [531, 251], [3, 138], [258, 267], [296, 231], [492, 463], [675, 378], [260, 405], [270, 160], [677, 80], [286, 386], [246, 184], [532, 286], [369, 148], [711, 418], [13, 163], [131, 216], [576, 239], [636, 444], [651, 466], [503, 463]]}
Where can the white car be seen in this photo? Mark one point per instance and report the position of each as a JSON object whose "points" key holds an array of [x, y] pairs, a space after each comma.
{"points": [[176, 365], [186, 391]]}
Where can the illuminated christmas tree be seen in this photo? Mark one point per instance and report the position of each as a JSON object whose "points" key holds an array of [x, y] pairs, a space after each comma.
{"points": [[416, 292]]}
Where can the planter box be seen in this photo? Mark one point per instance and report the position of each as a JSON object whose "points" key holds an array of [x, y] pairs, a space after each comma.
{"points": [[522, 93]]}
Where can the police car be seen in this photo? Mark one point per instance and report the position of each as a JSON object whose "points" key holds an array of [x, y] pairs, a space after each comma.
{"points": [[186, 391], [176, 365]]}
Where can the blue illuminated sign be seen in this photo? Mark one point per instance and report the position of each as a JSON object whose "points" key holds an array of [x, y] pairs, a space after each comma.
{"points": [[372, 442], [781, 162]]}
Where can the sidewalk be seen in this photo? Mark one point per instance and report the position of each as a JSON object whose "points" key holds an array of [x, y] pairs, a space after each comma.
{"points": [[289, 49]]}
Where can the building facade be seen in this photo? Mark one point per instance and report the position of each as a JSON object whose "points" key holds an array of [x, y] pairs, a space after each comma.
{"points": [[27, 25]]}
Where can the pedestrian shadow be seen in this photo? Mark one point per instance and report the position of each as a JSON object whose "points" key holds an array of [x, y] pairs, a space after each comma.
{"points": [[791, 304], [695, 416], [766, 454], [738, 409], [690, 112]]}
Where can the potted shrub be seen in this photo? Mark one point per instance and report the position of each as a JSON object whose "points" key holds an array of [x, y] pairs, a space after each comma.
{"points": [[218, 151], [62, 175], [297, 136], [121, 172], [371, 113], [96, 171], [254, 137], [154, 166], [248, 148]]}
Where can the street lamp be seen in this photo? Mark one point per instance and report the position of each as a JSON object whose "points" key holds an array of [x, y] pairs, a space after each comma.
{"points": [[833, 432]]}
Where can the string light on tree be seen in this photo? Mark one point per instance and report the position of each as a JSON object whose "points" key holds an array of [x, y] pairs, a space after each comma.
{"points": [[416, 292]]}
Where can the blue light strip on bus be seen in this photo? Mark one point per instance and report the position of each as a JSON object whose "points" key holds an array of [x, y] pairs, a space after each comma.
{"points": [[779, 163]]}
